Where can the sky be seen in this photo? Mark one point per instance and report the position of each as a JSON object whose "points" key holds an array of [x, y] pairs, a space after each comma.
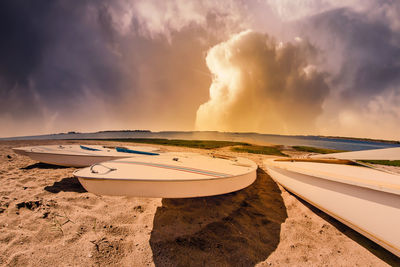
{"points": [[312, 67]]}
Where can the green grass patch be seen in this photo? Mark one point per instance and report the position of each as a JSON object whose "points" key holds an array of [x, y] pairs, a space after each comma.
{"points": [[383, 162], [204, 144], [265, 150], [316, 149]]}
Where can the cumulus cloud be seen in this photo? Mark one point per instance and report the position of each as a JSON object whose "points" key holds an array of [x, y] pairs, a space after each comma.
{"points": [[262, 86]]}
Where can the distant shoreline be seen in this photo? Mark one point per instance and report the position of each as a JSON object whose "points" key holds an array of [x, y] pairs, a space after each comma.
{"points": [[362, 139], [70, 134], [336, 143]]}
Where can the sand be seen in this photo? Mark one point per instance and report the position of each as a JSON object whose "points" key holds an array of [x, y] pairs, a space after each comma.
{"points": [[48, 219]]}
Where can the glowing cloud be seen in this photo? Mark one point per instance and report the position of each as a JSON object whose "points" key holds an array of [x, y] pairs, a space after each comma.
{"points": [[263, 86]]}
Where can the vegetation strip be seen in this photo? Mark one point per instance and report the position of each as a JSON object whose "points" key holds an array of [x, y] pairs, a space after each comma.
{"points": [[204, 144], [265, 150], [317, 149]]}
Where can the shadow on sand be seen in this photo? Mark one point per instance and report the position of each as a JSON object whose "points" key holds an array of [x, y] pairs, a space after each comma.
{"points": [[70, 184], [41, 165], [236, 229], [374, 248]]}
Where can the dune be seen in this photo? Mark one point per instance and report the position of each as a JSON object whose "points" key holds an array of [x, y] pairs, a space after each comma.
{"points": [[48, 219]]}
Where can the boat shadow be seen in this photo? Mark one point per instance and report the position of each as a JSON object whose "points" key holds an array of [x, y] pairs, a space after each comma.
{"points": [[69, 184], [374, 248], [236, 229], [41, 165]]}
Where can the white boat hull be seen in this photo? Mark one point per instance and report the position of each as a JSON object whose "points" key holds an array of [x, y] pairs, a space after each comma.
{"points": [[168, 176], [69, 160], [20, 150], [76, 156], [371, 212], [168, 189]]}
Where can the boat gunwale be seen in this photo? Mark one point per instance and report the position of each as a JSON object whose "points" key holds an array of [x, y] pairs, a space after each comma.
{"points": [[128, 155]]}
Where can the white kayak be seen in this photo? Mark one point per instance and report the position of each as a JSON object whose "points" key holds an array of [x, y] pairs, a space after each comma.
{"points": [[170, 175], [365, 199], [372, 154], [81, 155]]}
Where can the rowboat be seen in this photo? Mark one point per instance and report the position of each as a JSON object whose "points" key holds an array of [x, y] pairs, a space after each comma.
{"points": [[171, 175], [81, 155], [365, 199]]}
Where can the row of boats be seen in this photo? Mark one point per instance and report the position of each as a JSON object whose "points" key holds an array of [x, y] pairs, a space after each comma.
{"points": [[148, 172], [360, 196]]}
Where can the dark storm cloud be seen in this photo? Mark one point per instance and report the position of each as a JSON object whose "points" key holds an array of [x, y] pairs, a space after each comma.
{"points": [[22, 40], [370, 49], [51, 51], [362, 56], [89, 65]]}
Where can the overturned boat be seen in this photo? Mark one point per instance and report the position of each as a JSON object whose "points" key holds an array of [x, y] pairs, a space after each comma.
{"points": [[82, 155], [171, 175], [365, 199]]}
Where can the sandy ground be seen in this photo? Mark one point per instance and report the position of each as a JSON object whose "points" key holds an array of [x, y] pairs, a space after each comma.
{"points": [[48, 219]]}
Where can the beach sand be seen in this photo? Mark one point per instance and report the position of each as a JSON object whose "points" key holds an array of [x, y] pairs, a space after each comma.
{"points": [[48, 219]]}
